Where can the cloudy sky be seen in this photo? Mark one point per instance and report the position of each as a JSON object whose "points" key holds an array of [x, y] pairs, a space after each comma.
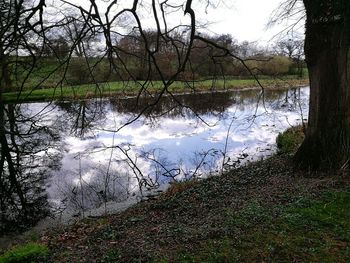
{"points": [[245, 19]]}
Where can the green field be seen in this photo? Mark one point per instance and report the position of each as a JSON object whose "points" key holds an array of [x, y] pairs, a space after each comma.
{"points": [[120, 88]]}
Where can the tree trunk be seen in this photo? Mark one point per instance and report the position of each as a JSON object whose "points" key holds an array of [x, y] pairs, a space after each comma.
{"points": [[327, 52]]}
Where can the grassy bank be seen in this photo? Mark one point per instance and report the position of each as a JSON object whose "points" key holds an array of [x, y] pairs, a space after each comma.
{"points": [[264, 212], [131, 88], [289, 141]]}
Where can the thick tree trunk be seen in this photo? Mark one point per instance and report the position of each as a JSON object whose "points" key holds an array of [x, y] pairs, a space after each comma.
{"points": [[327, 52]]}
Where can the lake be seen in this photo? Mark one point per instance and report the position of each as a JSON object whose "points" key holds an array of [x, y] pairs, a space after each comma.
{"points": [[86, 159]]}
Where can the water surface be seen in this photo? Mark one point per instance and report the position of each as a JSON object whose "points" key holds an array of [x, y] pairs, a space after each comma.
{"points": [[98, 161]]}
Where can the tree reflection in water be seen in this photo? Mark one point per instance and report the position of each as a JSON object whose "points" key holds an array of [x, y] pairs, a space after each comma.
{"points": [[114, 166], [69, 158], [29, 151]]}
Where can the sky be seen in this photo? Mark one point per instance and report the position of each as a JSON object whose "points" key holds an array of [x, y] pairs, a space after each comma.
{"points": [[245, 19]]}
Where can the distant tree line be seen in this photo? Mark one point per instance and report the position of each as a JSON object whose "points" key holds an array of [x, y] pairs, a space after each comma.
{"points": [[88, 64]]}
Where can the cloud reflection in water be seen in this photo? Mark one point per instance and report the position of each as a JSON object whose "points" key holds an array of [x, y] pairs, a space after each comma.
{"points": [[153, 148]]}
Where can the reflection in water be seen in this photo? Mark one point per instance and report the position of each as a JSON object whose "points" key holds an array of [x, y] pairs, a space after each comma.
{"points": [[195, 136], [81, 115], [192, 136], [28, 151]]}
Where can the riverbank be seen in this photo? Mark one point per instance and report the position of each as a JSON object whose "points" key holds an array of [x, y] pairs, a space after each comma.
{"points": [[265, 212], [131, 89]]}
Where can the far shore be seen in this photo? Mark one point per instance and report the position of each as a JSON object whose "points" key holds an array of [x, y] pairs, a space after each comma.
{"points": [[127, 90]]}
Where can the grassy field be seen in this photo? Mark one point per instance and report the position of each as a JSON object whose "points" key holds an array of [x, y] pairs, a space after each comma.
{"points": [[131, 88]]}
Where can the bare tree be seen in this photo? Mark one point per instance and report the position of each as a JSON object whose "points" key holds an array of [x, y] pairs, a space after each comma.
{"points": [[292, 46], [22, 31]]}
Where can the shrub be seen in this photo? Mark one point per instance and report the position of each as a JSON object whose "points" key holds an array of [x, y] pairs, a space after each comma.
{"points": [[30, 252], [290, 140], [278, 65], [78, 72]]}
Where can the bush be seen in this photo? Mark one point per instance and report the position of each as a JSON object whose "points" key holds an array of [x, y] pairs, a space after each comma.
{"points": [[277, 65], [78, 72], [290, 140], [30, 252]]}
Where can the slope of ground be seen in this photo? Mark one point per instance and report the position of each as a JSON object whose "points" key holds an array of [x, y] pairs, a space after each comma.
{"points": [[264, 212]]}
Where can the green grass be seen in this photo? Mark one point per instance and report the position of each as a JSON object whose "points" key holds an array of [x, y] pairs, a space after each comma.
{"points": [[132, 88], [30, 252], [289, 140], [313, 230], [264, 212], [306, 231], [73, 92], [213, 251]]}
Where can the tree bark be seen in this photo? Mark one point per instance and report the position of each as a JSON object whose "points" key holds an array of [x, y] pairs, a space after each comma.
{"points": [[327, 53]]}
